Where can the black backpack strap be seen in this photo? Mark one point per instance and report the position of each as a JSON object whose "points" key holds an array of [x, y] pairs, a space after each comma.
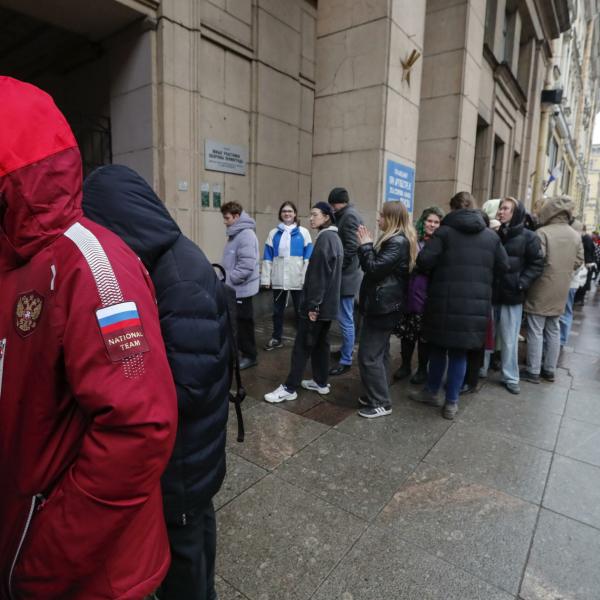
{"points": [[240, 393]]}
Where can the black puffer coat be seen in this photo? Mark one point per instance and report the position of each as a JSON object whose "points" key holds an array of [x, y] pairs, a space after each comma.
{"points": [[384, 286], [525, 257], [193, 320], [461, 258]]}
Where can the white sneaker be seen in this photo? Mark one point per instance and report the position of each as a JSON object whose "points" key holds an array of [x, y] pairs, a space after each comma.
{"points": [[280, 395], [313, 386]]}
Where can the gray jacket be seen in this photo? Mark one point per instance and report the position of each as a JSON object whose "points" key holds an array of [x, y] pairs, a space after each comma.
{"points": [[321, 291], [347, 220], [240, 257]]}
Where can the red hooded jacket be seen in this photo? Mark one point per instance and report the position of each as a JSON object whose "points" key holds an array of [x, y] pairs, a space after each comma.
{"points": [[87, 402]]}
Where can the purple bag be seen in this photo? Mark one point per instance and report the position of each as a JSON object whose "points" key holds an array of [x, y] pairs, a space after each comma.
{"points": [[417, 293]]}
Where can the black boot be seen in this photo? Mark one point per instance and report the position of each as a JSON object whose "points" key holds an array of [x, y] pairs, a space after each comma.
{"points": [[419, 377], [402, 373]]}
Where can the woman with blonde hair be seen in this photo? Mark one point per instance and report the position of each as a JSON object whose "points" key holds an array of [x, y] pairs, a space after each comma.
{"points": [[386, 263]]}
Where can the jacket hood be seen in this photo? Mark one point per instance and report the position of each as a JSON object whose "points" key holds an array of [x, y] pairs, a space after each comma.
{"points": [[519, 214], [556, 210], [490, 208], [40, 172], [467, 220], [330, 228], [116, 197], [244, 222], [517, 221]]}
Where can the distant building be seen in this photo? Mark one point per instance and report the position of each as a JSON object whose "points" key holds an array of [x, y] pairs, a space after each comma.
{"points": [[591, 209], [263, 101], [572, 101]]}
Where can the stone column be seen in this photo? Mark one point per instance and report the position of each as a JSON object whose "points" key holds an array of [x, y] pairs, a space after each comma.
{"points": [[365, 112], [449, 99]]}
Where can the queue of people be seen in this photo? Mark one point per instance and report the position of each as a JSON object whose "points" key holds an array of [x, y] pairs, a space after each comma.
{"points": [[456, 286]]}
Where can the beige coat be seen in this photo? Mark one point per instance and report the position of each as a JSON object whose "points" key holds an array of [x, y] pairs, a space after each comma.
{"points": [[563, 254]]}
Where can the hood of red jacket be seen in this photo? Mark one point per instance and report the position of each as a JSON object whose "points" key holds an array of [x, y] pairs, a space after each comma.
{"points": [[40, 172]]}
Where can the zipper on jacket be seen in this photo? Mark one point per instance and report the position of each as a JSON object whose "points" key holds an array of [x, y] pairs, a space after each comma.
{"points": [[38, 498], [2, 355]]}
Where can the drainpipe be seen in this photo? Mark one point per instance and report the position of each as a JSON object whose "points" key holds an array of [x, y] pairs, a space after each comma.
{"points": [[540, 157]]}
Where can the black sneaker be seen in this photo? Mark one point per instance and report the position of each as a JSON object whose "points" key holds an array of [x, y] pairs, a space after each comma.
{"points": [[547, 375], [372, 412], [526, 375], [272, 344]]}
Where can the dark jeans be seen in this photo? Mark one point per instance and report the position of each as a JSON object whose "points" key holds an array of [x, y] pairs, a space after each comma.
{"points": [[457, 366], [279, 301], [407, 348], [191, 575], [374, 358], [312, 341], [474, 363], [245, 324]]}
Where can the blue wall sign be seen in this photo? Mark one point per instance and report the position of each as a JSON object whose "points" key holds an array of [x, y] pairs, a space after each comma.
{"points": [[400, 183]]}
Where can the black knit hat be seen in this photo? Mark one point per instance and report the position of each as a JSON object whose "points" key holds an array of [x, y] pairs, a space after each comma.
{"points": [[338, 195], [326, 210]]}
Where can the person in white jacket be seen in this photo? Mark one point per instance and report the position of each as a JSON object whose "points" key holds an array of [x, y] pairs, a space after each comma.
{"points": [[287, 251], [579, 278]]}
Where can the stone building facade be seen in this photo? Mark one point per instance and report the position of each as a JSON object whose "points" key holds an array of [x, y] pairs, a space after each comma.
{"points": [[591, 208], [262, 101], [567, 122]]}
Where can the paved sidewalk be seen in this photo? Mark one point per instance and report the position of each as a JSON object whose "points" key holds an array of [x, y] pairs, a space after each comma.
{"points": [[502, 503]]}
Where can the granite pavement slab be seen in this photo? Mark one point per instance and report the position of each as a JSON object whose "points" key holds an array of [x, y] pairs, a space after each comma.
{"points": [[351, 473], [490, 459], [383, 566], [277, 542], [574, 490], [272, 435], [476, 528], [564, 562], [579, 440], [584, 405], [241, 474], [411, 430], [514, 418], [225, 591]]}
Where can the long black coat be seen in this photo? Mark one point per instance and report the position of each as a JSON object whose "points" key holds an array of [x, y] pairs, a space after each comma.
{"points": [[193, 319], [461, 258], [525, 257], [347, 221], [384, 286]]}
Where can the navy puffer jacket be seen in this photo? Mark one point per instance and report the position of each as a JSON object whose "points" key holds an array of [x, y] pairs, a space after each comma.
{"points": [[525, 257], [193, 320], [462, 258]]}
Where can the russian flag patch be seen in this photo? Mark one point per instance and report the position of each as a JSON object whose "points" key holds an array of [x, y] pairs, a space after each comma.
{"points": [[122, 331]]}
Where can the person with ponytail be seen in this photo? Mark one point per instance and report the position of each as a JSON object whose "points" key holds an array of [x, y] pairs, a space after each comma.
{"points": [[386, 263], [410, 330]]}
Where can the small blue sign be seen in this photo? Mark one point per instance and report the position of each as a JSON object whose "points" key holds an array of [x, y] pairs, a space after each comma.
{"points": [[400, 183]]}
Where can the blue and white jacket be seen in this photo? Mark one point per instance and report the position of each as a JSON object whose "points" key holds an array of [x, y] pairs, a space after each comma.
{"points": [[286, 273]]}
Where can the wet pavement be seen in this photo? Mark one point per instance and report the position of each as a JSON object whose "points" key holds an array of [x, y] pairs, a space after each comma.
{"points": [[502, 503]]}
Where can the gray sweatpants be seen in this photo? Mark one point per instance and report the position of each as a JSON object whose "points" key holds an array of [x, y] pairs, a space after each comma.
{"points": [[374, 358], [543, 338]]}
